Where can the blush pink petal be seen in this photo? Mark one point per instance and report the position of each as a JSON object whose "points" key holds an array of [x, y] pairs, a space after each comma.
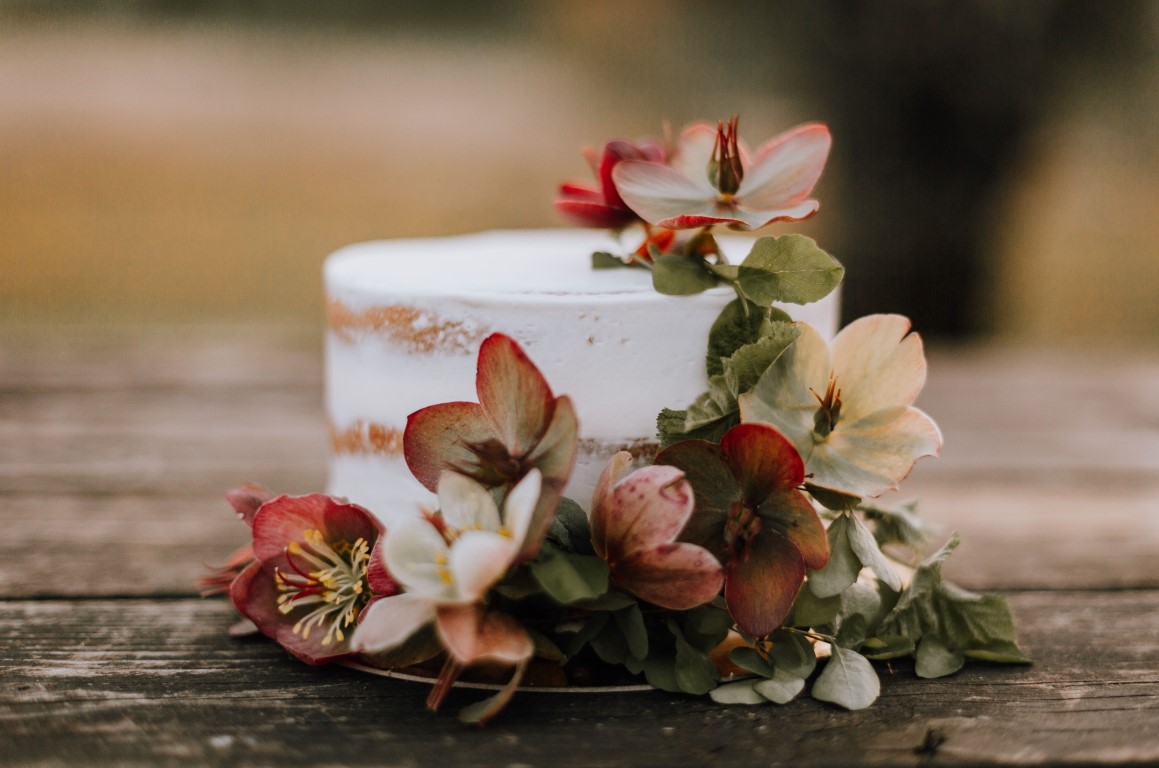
{"points": [[648, 507], [676, 576], [659, 192], [247, 499], [515, 398], [786, 167], [436, 439], [471, 634]]}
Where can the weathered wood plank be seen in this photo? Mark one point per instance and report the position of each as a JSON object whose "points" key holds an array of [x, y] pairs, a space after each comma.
{"points": [[158, 683]]}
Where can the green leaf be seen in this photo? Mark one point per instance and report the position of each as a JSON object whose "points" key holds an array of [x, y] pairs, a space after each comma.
{"points": [[781, 689], [734, 328], [605, 260], [590, 629], [695, 672], [848, 680], [670, 428], [740, 692], [889, 647], [843, 565], [750, 660], [612, 600], [899, 525], [790, 268], [719, 402], [838, 502], [935, 659], [813, 611], [706, 626], [744, 368], [681, 276], [610, 644], [630, 622], [569, 528], [545, 647], [569, 577], [660, 672], [793, 654], [864, 545], [963, 621]]}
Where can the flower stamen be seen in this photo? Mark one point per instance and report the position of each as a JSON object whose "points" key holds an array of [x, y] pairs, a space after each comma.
{"points": [[332, 578]]}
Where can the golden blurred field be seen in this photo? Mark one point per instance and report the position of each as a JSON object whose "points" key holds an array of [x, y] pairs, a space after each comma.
{"points": [[200, 172]]}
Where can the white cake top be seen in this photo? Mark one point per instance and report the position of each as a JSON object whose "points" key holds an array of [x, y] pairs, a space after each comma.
{"points": [[516, 265]]}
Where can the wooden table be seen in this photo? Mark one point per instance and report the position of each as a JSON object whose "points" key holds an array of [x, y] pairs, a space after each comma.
{"points": [[116, 446]]}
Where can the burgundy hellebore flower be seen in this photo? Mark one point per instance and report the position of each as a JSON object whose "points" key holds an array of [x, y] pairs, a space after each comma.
{"points": [[517, 425], [602, 207], [312, 576], [635, 521], [245, 500], [751, 515], [711, 180]]}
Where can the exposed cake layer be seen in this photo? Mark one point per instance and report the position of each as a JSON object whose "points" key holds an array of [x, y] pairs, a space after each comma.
{"points": [[406, 318]]}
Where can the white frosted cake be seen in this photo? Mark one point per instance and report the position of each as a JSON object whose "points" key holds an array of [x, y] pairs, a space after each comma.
{"points": [[406, 317]]}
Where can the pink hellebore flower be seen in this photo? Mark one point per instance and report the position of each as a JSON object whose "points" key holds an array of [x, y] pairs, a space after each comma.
{"points": [[711, 180], [517, 425], [245, 500], [446, 565], [310, 580], [635, 521], [751, 515], [847, 406], [602, 207]]}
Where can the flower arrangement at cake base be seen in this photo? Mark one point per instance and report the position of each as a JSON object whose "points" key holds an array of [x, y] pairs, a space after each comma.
{"points": [[747, 560]]}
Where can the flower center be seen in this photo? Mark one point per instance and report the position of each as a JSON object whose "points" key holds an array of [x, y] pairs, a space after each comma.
{"points": [[740, 525], [330, 580], [830, 411], [494, 464], [724, 169]]}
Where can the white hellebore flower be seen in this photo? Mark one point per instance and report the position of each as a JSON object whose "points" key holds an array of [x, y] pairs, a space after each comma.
{"points": [[446, 570], [847, 407]]}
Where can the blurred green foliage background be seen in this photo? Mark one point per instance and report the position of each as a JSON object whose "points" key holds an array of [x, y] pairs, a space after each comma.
{"points": [[995, 169]]}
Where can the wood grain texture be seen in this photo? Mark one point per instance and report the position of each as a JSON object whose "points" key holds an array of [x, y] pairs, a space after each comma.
{"points": [[145, 682]]}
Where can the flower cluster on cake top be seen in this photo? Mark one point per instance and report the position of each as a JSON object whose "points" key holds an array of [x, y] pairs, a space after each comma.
{"points": [[747, 561]]}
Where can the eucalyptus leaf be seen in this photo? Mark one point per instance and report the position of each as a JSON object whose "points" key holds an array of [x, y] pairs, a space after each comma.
{"points": [[935, 659], [790, 268], [813, 611], [590, 629], [630, 622], [889, 647], [843, 565], [781, 689], [740, 692], [695, 671], [612, 600], [750, 659], [838, 502], [569, 528], [848, 680], [852, 631], [706, 626], [610, 644], [865, 546], [793, 654], [899, 525], [568, 577], [660, 672], [681, 276]]}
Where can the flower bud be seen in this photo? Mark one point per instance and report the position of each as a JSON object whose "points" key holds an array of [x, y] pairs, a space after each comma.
{"points": [[724, 169]]}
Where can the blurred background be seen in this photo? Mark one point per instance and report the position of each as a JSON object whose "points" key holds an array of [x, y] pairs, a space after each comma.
{"points": [[995, 168]]}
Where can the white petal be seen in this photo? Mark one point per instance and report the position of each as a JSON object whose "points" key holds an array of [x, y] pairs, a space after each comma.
{"points": [[388, 622], [465, 504], [786, 167], [519, 507], [416, 555], [479, 560], [872, 455], [784, 395], [657, 192], [877, 365], [694, 151]]}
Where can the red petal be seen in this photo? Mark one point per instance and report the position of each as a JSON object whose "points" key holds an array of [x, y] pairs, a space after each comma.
{"points": [[513, 393], [762, 583], [673, 576], [554, 456], [471, 634], [436, 439], [791, 514], [762, 460], [378, 578], [287, 518]]}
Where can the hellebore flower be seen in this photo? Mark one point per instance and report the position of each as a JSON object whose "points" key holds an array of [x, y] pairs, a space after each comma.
{"points": [[245, 500], [635, 521], [710, 179], [847, 406], [602, 207], [446, 563], [517, 425], [751, 515], [310, 581]]}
